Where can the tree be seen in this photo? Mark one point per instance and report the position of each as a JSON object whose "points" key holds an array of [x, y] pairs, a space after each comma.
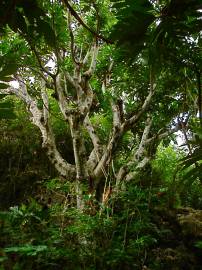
{"points": [[60, 52]]}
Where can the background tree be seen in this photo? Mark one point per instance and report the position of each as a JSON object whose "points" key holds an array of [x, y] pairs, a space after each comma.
{"points": [[61, 54]]}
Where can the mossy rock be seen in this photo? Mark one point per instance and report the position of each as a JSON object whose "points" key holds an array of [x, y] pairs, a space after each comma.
{"points": [[190, 221]]}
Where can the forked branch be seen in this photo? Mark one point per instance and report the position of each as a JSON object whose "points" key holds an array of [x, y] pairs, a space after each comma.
{"points": [[80, 20], [40, 118]]}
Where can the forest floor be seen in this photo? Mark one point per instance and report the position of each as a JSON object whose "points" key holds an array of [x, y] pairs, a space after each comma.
{"points": [[181, 237]]}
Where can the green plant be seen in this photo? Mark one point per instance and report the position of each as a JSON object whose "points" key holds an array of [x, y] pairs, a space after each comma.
{"points": [[6, 107], [199, 244], [57, 235]]}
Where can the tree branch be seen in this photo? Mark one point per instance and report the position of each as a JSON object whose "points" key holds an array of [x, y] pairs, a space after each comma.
{"points": [[116, 133], [40, 118], [40, 62], [78, 18], [131, 175], [165, 134], [94, 51], [92, 133], [139, 160], [140, 151], [78, 147], [97, 151], [135, 118], [124, 170], [72, 40]]}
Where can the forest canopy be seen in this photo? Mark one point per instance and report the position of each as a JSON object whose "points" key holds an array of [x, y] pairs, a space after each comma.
{"points": [[108, 87]]}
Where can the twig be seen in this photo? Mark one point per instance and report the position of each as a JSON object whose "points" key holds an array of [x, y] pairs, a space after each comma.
{"points": [[78, 18]]}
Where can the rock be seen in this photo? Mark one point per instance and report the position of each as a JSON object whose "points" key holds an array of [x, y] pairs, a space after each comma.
{"points": [[174, 258], [190, 221]]}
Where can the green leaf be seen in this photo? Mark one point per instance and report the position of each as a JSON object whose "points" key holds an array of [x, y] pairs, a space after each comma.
{"points": [[45, 29], [20, 22], [9, 69], [28, 250], [3, 96], [6, 109], [6, 105], [198, 244], [3, 86], [6, 79], [7, 114]]}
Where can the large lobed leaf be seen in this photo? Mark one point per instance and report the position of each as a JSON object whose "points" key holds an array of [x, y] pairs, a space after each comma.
{"points": [[28, 18], [142, 24], [134, 18]]}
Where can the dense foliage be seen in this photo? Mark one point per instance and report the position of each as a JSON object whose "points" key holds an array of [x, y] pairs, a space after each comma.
{"points": [[100, 135]]}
